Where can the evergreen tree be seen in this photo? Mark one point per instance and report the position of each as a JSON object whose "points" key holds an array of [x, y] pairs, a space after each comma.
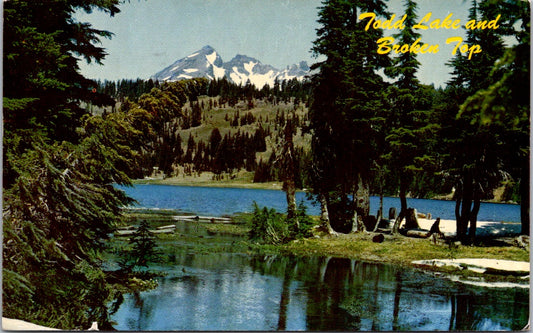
{"points": [[214, 141], [474, 152], [200, 156], [42, 45], [287, 166], [345, 107], [56, 219], [406, 125], [144, 246], [59, 166], [196, 115], [504, 104], [191, 149]]}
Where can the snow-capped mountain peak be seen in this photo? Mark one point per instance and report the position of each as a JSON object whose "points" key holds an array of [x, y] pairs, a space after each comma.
{"points": [[203, 63], [206, 62]]}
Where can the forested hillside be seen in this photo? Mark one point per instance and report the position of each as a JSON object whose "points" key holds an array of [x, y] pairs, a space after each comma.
{"points": [[217, 126]]}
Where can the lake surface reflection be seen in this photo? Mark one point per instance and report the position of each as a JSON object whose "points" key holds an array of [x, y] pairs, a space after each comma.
{"points": [[226, 291]]}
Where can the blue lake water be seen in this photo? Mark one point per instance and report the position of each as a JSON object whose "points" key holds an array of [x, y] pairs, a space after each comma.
{"points": [[226, 201], [237, 292]]}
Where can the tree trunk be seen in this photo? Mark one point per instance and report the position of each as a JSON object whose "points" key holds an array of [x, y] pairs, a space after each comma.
{"points": [[524, 196], [403, 195], [361, 204], [290, 193], [363, 196], [381, 203], [458, 198], [380, 211], [411, 221], [378, 220], [287, 163], [356, 226], [324, 215], [463, 207], [397, 222], [473, 214]]}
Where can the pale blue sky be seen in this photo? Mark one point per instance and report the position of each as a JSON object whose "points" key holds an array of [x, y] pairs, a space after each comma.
{"points": [[152, 34]]}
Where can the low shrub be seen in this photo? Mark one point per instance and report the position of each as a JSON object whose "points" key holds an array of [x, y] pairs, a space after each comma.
{"points": [[271, 227]]}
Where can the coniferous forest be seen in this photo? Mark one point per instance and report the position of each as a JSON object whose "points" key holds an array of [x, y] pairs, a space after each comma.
{"points": [[361, 124]]}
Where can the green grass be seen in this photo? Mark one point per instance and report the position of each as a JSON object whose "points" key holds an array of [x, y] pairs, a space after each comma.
{"points": [[398, 249]]}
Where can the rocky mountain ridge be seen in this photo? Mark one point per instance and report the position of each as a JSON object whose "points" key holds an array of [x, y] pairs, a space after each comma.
{"points": [[207, 63]]}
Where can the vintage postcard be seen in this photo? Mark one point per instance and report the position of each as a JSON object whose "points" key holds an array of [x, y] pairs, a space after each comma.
{"points": [[247, 165]]}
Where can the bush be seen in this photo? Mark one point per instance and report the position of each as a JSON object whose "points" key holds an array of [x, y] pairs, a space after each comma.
{"points": [[270, 227], [306, 224]]}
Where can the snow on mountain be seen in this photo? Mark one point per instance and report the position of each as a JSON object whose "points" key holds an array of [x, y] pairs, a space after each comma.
{"points": [[295, 71], [203, 63], [207, 63]]}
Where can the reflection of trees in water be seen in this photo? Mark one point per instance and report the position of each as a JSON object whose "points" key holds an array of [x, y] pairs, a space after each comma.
{"points": [[285, 294], [333, 293], [508, 310], [397, 294], [284, 267], [348, 294], [144, 313]]}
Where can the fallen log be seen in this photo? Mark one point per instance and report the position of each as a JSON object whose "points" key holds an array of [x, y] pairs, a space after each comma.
{"points": [[182, 217], [417, 233], [170, 226], [124, 232], [495, 271], [522, 241], [128, 227], [163, 231], [423, 233], [197, 218]]}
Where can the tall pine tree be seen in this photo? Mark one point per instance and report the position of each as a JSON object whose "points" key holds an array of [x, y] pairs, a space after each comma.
{"points": [[345, 111], [473, 152], [59, 166], [505, 103], [407, 125]]}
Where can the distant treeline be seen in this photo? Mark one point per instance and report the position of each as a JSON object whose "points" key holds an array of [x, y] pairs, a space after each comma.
{"points": [[229, 92]]}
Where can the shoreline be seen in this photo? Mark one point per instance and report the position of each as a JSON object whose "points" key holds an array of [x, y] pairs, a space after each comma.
{"points": [[192, 182], [202, 181]]}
